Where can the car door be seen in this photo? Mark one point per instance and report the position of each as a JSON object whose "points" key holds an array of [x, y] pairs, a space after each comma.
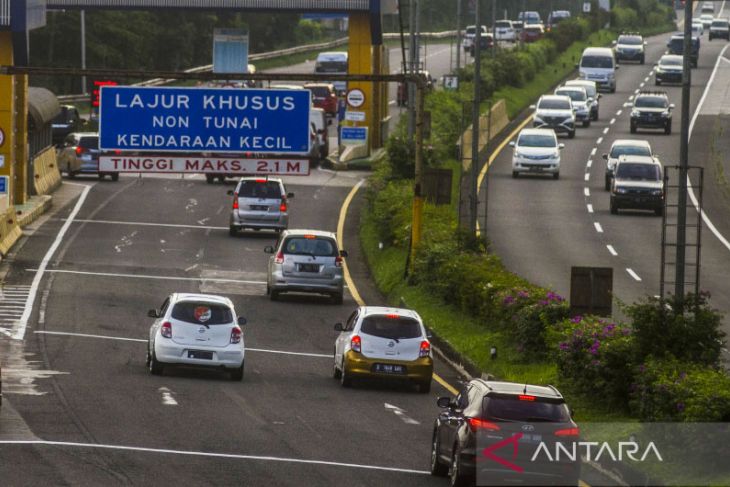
{"points": [[450, 419], [160, 317], [345, 335]]}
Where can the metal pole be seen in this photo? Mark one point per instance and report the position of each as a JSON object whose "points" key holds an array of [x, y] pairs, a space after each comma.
{"points": [[524, 6], [486, 175], [474, 190], [494, 27], [402, 37], [683, 156], [413, 61], [458, 34], [417, 221], [83, 50]]}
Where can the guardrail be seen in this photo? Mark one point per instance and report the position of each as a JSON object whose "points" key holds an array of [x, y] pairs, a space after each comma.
{"points": [[266, 55]]}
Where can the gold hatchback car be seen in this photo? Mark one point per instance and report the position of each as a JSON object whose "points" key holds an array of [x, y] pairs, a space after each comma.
{"points": [[389, 343]]}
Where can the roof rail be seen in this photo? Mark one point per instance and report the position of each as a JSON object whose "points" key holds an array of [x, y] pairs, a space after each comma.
{"points": [[653, 92]]}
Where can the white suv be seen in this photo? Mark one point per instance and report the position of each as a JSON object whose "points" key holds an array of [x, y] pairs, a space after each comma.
{"points": [[624, 147], [469, 35], [505, 31], [555, 112], [536, 151]]}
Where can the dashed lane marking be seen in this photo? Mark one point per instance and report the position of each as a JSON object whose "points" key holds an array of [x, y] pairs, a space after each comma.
{"points": [[619, 112], [587, 176], [613, 121], [593, 151], [598, 226], [605, 131], [612, 250], [633, 274], [589, 163], [589, 207], [599, 140], [586, 192]]}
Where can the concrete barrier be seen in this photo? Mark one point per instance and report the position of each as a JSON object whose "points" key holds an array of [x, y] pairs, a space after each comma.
{"points": [[499, 121], [9, 231], [46, 175]]}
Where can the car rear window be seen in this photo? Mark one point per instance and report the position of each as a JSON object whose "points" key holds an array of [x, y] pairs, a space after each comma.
{"points": [[575, 95], [630, 150], [605, 62], [320, 91], [310, 245], [511, 408], [393, 327], [719, 23], [645, 172], [202, 313], [259, 189], [89, 142]]}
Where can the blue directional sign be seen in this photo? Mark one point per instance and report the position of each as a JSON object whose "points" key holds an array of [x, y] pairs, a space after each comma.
{"points": [[204, 120], [354, 135], [3, 184]]}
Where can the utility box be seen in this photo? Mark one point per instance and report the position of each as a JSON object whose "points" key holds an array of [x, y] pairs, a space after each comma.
{"points": [[591, 291]]}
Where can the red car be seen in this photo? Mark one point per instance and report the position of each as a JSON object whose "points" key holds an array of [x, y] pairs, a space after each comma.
{"points": [[532, 33], [324, 96]]}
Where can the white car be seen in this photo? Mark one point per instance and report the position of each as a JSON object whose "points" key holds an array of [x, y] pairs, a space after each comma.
{"points": [[388, 343], [581, 102], [697, 28], [554, 112], [536, 151], [706, 20], [469, 35], [196, 330], [505, 31], [624, 147], [592, 91]]}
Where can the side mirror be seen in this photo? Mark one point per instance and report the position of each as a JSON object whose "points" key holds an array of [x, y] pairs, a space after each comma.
{"points": [[613, 43], [512, 143], [269, 249], [630, 105], [339, 327], [229, 192], [443, 402], [533, 107], [152, 313], [241, 321], [561, 146], [605, 156], [656, 64], [598, 95], [429, 335], [671, 106], [290, 195], [343, 253], [571, 411]]}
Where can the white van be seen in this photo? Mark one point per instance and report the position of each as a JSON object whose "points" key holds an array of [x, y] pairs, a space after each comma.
{"points": [[334, 62], [599, 64]]}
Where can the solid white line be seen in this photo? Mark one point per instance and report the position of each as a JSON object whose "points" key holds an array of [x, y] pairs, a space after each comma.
{"points": [[618, 113], [612, 250], [586, 192], [143, 276], [598, 226], [605, 131], [589, 207], [23, 322], [146, 224], [140, 340], [589, 163], [633, 274], [613, 121], [599, 140], [593, 151], [213, 455], [587, 176], [691, 193]]}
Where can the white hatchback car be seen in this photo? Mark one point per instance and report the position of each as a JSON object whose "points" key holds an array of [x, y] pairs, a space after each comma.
{"points": [[536, 151], [379, 342], [196, 330]]}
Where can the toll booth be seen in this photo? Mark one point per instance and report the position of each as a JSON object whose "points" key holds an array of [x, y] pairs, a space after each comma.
{"points": [[43, 175]]}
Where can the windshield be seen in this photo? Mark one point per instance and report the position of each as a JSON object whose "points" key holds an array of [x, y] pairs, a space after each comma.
{"points": [[202, 313], [719, 23], [259, 189], [706, 17], [629, 150], [605, 62], [641, 172], [589, 87], [331, 67], [535, 140], [393, 327], [320, 91], [310, 245], [670, 62], [554, 105], [630, 40], [512, 409], [575, 95], [651, 102]]}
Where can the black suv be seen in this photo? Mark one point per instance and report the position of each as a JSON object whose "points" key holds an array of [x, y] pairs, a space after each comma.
{"points": [[652, 110], [490, 414], [676, 46]]}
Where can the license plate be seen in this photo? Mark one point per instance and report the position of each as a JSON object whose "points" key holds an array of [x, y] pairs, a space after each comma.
{"points": [[308, 268], [86, 157], [389, 369], [200, 354], [530, 438], [259, 207]]}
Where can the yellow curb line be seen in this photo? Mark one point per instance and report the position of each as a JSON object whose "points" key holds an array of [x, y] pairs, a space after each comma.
{"points": [[348, 279]]}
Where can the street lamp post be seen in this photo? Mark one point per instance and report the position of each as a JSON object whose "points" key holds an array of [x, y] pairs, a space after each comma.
{"points": [[83, 50], [474, 190]]}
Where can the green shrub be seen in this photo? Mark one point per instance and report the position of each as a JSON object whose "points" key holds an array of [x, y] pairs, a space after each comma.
{"points": [[624, 18], [688, 330], [531, 322], [391, 211], [671, 390], [595, 356]]}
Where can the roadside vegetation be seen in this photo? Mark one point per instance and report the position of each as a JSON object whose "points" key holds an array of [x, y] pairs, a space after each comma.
{"points": [[662, 364]]}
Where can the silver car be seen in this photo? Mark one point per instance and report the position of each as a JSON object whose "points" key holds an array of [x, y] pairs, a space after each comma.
{"points": [[196, 330], [259, 203], [306, 261]]}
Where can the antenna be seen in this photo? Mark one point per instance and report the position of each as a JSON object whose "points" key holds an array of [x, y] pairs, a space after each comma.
{"points": [[524, 391]]}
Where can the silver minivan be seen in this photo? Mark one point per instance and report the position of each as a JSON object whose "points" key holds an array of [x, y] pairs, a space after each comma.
{"points": [[599, 64], [259, 203], [306, 261]]}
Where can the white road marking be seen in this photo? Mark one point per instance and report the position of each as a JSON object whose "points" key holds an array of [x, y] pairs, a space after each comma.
{"points": [[605, 131], [401, 413], [586, 192], [167, 398], [612, 250], [23, 322], [143, 276], [646, 80], [633, 274], [587, 176], [598, 226], [636, 91], [618, 113], [631, 98], [140, 340], [593, 151], [146, 224], [642, 84], [599, 140], [613, 121], [589, 163], [212, 455], [589, 207]]}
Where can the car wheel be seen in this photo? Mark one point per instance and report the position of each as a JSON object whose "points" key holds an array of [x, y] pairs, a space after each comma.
{"points": [[69, 172], [237, 374], [424, 387], [659, 211], [668, 129], [274, 295], [268, 289], [115, 176], [633, 128], [438, 469], [556, 175], [571, 135], [607, 183], [156, 367], [222, 179], [594, 116], [456, 476], [337, 298], [695, 64], [586, 123], [345, 380], [232, 231], [101, 176], [614, 208], [209, 178], [515, 174], [336, 373], [613, 89], [657, 82]]}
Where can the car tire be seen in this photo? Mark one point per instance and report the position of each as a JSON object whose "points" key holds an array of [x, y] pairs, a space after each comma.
{"points": [[337, 298], [607, 183], [594, 116], [115, 176], [659, 211], [695, 64], [614, 208], [456, 476], [556, 175], [632, 128], [668, 129], [345, 380], [237, 374], [515, 174], [438, 469], [268, 289], [155, 366], [209, 178], [69, 172], [571, 135], [657, 82], [232, 231], [336, 373], [222, 179], [101, 176], [274, 295], [424, 387], [586, 123], [613, 89]]}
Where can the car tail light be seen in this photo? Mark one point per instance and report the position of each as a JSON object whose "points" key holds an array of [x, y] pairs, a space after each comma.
{"points": [[235, 201], [338, 261], [279, 259], [236, 335], [356, 343], [392, 316], [166, 330], [117, 152], [282, 206], [260, 180], [568, 432], [525, 397], [480, 424], [425, 349], [79, 150]]}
